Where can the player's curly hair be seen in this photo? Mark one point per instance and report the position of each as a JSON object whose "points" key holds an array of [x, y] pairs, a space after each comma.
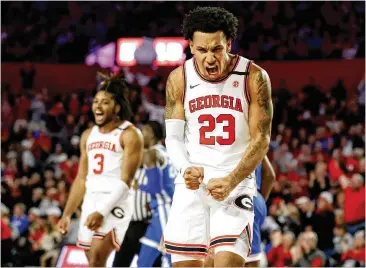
{"points": [[117, 87], [210, 20]]}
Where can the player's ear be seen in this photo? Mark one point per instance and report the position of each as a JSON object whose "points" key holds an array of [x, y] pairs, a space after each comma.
{"points": [[117, 109], [228, 45]]}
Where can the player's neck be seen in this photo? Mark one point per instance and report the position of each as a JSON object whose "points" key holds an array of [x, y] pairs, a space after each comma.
{"points": [[110, 126], [230, 62]]}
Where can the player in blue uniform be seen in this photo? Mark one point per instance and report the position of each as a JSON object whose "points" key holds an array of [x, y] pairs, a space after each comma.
{"points": [[160, 185], [265, 176]]}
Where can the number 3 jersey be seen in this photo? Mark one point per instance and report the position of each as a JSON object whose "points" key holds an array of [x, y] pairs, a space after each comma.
{"points": [[217, 129], [105, 155]]}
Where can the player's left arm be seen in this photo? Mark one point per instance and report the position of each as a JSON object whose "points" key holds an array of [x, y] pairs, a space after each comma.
{"points": [[260, 122], [132, 144]]}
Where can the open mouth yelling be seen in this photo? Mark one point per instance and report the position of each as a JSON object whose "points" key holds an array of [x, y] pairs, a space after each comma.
{"points": [[212, 71], [99, 115]]}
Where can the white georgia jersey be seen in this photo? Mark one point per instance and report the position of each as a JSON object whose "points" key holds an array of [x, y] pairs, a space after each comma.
{"points": [[105, 155], [217, 129]]}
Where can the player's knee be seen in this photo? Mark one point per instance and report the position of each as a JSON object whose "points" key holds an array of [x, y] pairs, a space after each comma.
{"points": [[228, 259], [97, 259]]}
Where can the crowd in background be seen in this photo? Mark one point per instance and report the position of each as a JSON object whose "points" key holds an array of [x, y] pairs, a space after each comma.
{"points": [[316, 210], [45, 31]]}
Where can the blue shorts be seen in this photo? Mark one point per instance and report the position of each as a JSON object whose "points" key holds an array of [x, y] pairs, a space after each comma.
{"points": [[260, 213], [149, 251]]}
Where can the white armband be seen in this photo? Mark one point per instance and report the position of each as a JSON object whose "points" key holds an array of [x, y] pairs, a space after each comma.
{"points": [[120, 192], [175, 144]]}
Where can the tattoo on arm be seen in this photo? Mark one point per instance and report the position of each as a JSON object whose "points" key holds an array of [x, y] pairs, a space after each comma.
{"points": [[171, 97], [265, 104], [258, 146]]}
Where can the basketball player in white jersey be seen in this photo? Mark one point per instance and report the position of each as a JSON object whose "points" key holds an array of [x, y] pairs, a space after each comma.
{"points": [[218, 125], [111, 152]]}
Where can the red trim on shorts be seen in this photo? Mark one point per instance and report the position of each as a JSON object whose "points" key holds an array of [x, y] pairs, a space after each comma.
{"points": [[116, 244], [82, 244], [222, 244], [224, 236], [186, 253], [248, 235], [185, 245]]}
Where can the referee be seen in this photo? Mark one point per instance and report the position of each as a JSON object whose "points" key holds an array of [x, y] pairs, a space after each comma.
{"points": [[138, 225]]}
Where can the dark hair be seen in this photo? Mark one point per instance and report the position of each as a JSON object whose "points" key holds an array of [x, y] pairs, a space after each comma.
{"points": [[117, 87], [157, 129], [210, 20]]}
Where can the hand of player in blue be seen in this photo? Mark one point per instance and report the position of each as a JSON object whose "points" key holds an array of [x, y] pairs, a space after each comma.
{"points": [[220, 188], [94, 221], [193, 177]]}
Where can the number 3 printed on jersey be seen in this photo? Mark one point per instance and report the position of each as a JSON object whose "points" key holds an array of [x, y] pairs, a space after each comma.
{"points": [[100, 164], [207, 139]]}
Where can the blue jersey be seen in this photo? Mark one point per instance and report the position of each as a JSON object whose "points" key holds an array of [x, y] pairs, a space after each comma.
{"points": [[160, 185], [258, 176], [260, 213]]}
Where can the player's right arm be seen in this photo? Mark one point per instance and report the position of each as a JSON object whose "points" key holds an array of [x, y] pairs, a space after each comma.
{"points": [[268, 177], [175, 126], [78, 186]]}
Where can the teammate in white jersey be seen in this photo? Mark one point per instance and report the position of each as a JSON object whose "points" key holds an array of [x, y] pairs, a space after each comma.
{"points": [[111, 152], [218, 125]]}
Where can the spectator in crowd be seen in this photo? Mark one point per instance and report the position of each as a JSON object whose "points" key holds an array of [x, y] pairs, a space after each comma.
{"points": [[306, 253], [357, 252], [279, 255], [341, 240], [354, 202], [20, 219]]}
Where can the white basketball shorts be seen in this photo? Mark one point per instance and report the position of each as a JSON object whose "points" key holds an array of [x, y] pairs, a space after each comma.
{"points": [[198, 223], [116, 222]]}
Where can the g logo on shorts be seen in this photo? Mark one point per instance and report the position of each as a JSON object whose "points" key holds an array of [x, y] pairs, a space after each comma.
{"points": [[118, 212], [244, 202]]}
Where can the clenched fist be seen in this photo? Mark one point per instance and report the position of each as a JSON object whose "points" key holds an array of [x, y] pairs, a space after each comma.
{"points": [[63, 225], [193, 177], [220, 188], [94, 221]]}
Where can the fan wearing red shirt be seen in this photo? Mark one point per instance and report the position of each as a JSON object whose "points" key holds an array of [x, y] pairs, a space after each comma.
{"points": [[354, 202]]}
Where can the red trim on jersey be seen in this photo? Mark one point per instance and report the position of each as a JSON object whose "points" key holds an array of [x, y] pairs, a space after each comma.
{"points": [[221, 79], [123, 121], [246, 79]]}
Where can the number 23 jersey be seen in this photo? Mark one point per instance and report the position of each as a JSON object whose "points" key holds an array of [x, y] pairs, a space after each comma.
{"points": [[217, 129]]}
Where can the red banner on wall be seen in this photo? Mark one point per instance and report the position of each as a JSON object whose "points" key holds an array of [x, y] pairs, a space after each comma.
{"points": [[64, 78]]}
